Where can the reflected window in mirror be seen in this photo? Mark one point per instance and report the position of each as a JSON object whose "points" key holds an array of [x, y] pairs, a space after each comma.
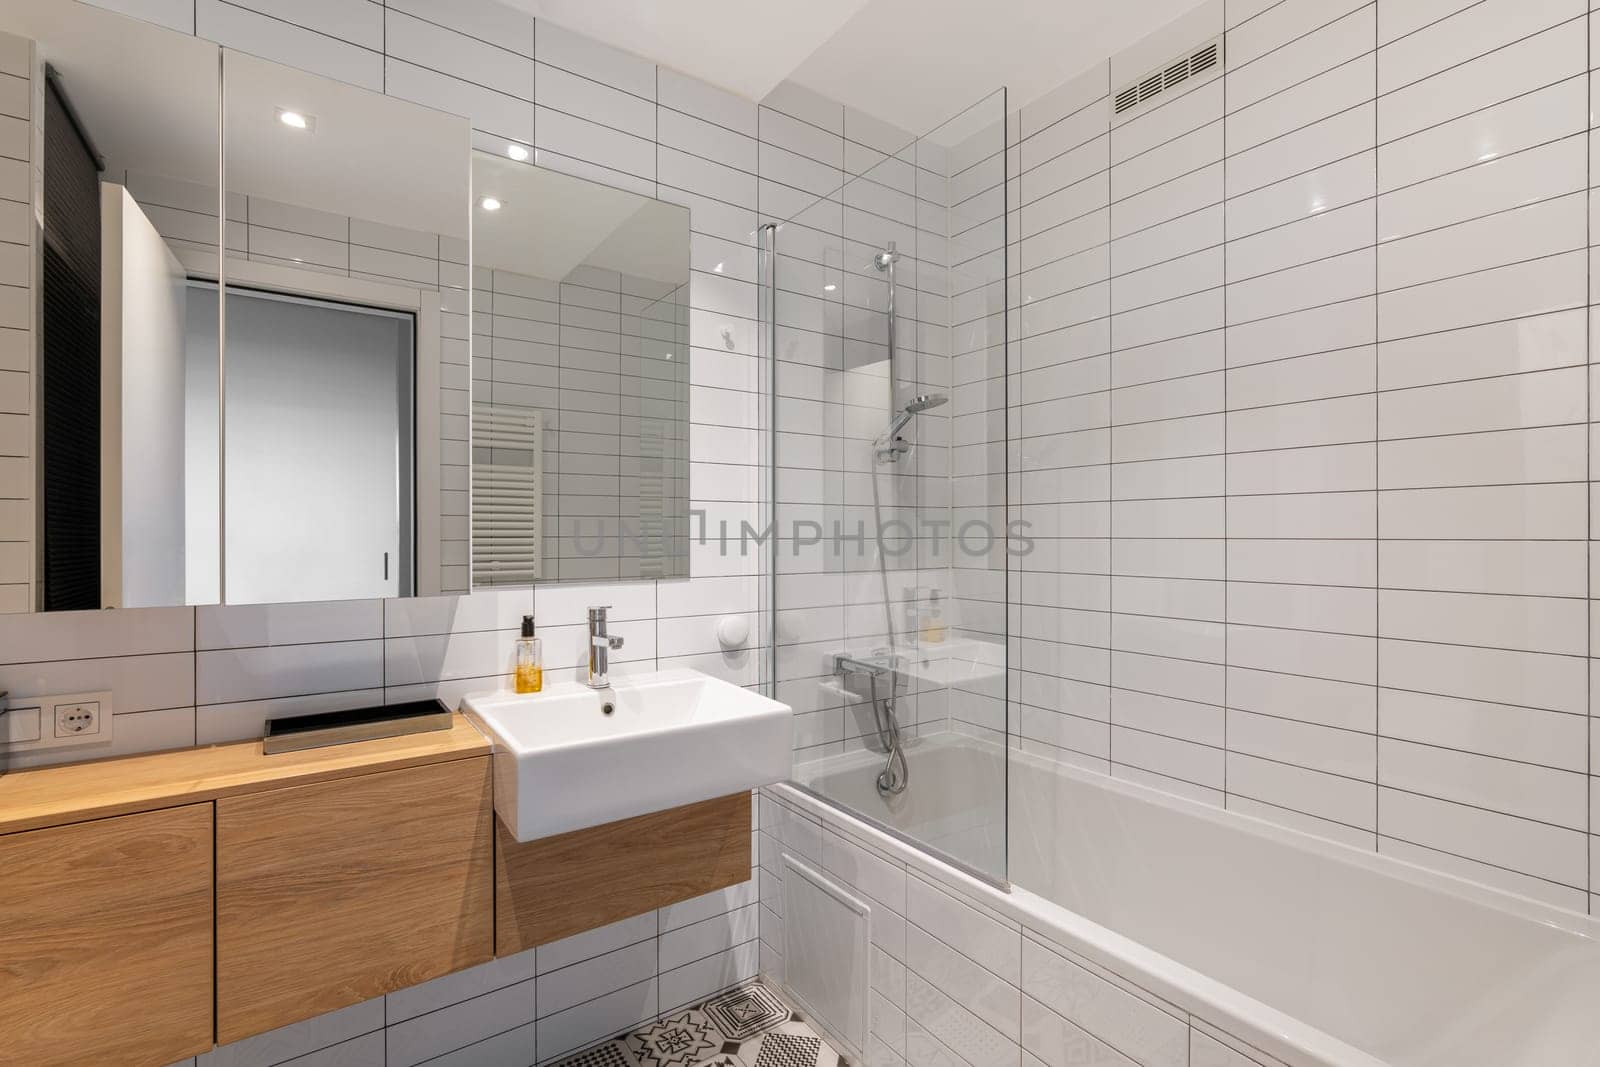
{"points": [[581, 357]]}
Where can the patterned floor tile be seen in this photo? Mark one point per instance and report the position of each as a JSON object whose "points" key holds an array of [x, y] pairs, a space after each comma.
{"points": [[788, 1050], [723, 1059], [609, 1054], [745, 1027], [680, 1040], [743, 1013]]}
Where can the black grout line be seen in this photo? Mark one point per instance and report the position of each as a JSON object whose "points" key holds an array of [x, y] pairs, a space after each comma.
{"points": [[1227, 631], [1588, 461]]}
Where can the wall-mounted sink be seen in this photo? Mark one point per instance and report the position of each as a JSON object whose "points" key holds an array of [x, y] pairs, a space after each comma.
{"points": [[572, 756]]}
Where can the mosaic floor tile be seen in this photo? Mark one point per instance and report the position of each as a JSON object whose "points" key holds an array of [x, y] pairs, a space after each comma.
{"points": [[745, 1027], [788, 1050], [682, 1039], [610, 1054], [790, 1043]]}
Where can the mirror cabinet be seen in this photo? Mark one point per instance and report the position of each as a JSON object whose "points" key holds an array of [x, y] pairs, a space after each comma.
{"points": [[266, 337]]}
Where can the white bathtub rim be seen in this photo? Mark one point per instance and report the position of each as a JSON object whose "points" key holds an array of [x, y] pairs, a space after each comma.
{"points": [[1246, 1018]]}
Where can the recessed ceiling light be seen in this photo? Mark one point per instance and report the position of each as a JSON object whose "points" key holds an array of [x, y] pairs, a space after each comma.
{"points": [[489, 203], [298, 120], [517, 152]]}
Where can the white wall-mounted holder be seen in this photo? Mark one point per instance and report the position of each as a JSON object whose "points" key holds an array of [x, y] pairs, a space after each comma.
{"points": [[733, 631]]}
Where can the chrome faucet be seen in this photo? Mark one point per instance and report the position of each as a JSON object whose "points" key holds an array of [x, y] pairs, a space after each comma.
{"points": [[601, 645]]}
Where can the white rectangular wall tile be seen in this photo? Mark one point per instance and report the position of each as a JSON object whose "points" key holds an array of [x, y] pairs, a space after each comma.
{"points": [[1399, 367]]}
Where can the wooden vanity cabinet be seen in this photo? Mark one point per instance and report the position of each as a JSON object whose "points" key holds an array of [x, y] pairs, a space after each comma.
{"points": [[106, 940], [563, 885], [154, 905], [334, 893]]}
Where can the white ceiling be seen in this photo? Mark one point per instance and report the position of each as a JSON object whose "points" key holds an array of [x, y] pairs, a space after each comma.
{"points": [[913, 63], [747, 46], [916, 63]]}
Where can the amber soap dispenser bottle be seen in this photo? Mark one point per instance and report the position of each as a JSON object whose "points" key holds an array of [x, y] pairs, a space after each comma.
{"points": [[530, 659]]}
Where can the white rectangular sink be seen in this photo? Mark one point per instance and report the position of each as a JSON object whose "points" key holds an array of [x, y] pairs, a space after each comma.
{"points": [[572, 757]]}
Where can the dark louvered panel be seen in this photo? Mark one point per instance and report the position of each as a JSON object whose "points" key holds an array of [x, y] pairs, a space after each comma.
{"points": [[69, 378]]}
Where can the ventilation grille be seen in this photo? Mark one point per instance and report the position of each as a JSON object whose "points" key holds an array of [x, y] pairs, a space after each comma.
{"points": [[507, 501], [1166, 77]]}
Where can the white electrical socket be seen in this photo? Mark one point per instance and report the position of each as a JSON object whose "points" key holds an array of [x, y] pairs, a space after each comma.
{"points": [[56, 721], [75, 720]]}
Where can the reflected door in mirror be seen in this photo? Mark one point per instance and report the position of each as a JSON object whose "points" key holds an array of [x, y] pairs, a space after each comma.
{"points": [[347, 383], [319, 450]]}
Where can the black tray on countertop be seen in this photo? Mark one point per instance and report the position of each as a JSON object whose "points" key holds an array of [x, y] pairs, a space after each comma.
{"points": [[324, 728]]}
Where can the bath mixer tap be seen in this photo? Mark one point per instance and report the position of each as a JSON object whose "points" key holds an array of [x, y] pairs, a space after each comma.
{"points": [[601, 645]]}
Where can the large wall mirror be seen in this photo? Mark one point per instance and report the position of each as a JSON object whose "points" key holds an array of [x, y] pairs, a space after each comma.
{"points": [[266, 337], [580, 457]]}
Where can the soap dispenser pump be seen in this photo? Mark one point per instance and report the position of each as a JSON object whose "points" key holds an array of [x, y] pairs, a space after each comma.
{"points": [[530, 659]]}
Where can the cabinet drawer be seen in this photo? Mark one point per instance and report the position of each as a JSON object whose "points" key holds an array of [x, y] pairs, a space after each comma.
{"points": [[331, 894], [558, 886], [105, 940]]}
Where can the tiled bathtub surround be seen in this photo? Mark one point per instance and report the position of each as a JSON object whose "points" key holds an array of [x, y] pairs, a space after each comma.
{"points": [[961, 975], [1302, 421]]}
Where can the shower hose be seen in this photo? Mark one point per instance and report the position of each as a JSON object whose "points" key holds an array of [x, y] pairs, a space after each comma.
{"points": [[894, 777]]}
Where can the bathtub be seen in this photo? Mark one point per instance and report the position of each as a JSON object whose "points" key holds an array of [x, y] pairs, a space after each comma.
{"points": [[955, 803], [1308, 951]]}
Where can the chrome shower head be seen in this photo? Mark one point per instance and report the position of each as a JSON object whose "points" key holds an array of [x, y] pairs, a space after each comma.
{"points": [[885, 259], [904, 416]]}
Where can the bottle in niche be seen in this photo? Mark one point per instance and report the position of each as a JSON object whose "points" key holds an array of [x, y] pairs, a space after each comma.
{"points": [[933, 629], [529, 667]]}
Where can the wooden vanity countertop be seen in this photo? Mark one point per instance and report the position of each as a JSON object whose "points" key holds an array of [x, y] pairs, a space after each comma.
{"points": [[75, 792]]}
